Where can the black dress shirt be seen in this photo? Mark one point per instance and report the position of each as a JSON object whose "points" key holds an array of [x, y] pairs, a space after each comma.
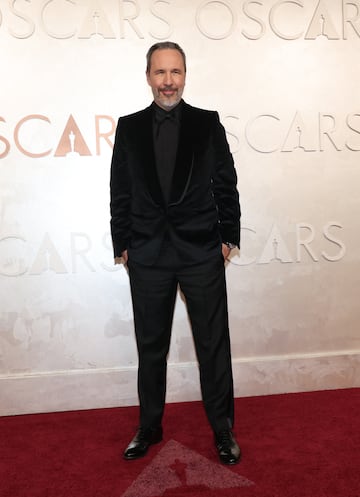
{"points": [[166, 129]]}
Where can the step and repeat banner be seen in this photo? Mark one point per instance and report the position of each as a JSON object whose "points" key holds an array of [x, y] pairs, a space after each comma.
{"points": [[285, 78]]}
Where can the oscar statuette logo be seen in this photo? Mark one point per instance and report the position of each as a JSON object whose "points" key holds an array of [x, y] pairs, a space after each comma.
{"points": [[72, 143]]}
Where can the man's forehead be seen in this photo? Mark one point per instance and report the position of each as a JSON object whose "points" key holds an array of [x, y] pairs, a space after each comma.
{"points": [[167, 56]]}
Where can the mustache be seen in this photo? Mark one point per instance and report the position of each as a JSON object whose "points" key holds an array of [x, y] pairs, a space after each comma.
{"points": [[168, 88]]}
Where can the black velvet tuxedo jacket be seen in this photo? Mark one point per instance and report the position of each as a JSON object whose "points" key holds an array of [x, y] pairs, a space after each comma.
{"points": [[203, 209]]}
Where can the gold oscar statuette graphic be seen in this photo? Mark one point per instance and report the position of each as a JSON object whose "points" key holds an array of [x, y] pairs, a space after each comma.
{"points": [[72, 141]]}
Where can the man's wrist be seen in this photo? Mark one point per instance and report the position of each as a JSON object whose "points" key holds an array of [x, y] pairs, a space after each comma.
{"points": [[230, 245]]}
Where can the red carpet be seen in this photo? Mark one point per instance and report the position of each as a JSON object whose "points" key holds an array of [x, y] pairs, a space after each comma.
{"points": [[298, 445]]}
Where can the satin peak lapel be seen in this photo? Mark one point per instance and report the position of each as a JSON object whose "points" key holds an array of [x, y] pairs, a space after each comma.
{"points": [[184, 159], [147, 157]]}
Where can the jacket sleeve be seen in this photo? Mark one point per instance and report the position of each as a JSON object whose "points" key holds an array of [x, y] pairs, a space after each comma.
{"points": [[224, 184], [120, 192]]}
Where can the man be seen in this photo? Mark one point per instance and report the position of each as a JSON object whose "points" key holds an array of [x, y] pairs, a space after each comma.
{"points": [[175, 216]]}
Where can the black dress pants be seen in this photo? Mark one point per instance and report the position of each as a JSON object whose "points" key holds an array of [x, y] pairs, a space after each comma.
{"points": [[153, 290]]}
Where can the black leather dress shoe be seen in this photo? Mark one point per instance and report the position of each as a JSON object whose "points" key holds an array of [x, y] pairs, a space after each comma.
{"points": [[228, 450], [139, 445]]}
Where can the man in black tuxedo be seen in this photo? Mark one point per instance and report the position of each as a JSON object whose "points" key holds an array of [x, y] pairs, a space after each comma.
{"points": [[175, 217]]}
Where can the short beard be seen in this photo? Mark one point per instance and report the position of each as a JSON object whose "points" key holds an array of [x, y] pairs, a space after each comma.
{"points": [[166, 103], [170, 105]]}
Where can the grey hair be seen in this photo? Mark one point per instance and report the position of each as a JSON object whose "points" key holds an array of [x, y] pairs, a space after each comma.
{"points": [[161, 46]]}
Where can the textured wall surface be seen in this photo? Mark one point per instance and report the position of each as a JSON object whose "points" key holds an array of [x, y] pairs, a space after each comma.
{"points": [[285, 78]]}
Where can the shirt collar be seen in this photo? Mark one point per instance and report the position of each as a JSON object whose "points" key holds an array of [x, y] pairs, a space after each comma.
{"points": [[160, 114]]}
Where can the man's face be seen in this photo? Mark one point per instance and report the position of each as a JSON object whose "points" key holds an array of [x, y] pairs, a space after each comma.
{"points": [[166, 77]]}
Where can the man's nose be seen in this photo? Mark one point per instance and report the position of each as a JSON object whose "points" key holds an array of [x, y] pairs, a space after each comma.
{"points": [[168, 78]]}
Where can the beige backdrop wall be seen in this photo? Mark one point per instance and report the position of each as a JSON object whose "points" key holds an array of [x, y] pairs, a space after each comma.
{"points": [[285, 78]]}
